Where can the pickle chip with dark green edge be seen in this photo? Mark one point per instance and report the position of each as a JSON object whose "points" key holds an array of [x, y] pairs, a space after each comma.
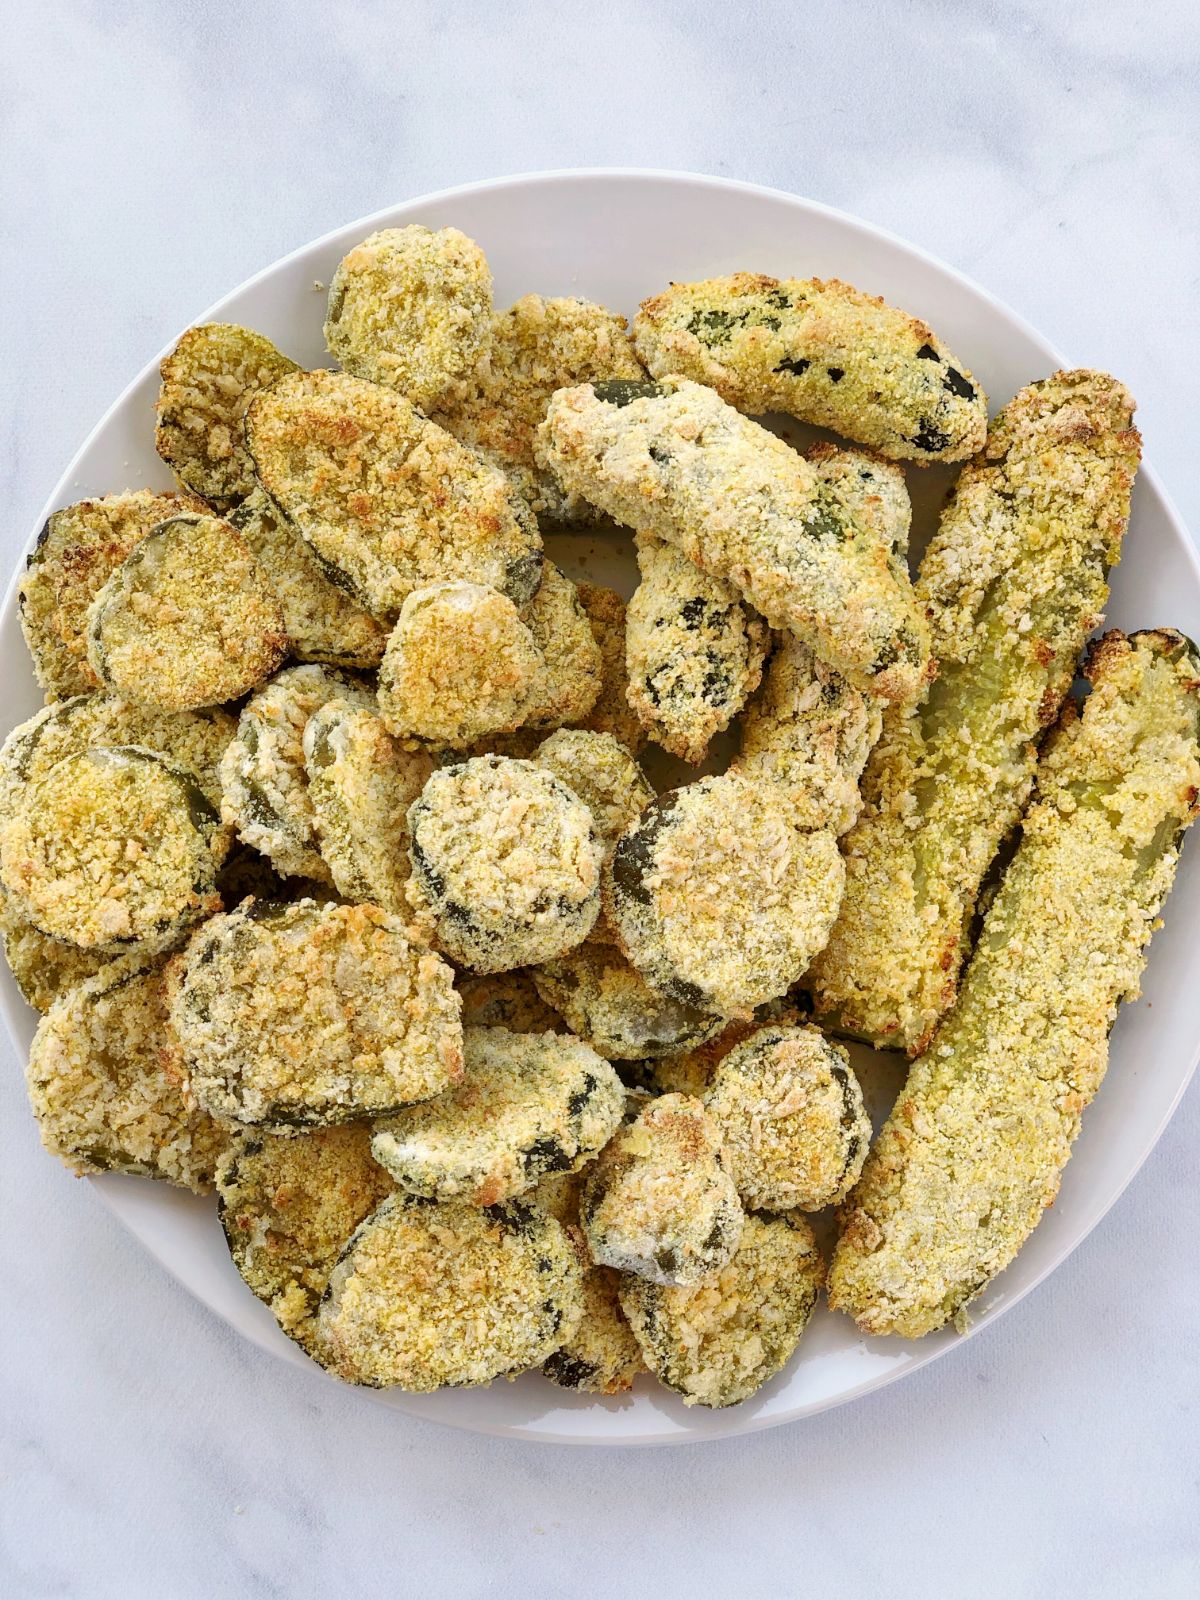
{"points": [[607, 1003], [43, 968]]}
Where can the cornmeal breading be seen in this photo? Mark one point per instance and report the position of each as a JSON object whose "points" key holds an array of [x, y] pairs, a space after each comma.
{"points": [[43, 968], [602, 1355], [612, 712], [568, 684]]}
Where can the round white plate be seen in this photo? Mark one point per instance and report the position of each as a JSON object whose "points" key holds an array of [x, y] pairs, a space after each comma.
{"points": [[616, 237]]}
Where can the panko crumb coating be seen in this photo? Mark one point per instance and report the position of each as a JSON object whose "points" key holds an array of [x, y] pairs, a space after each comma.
{"points": [[306, 1015], [426, 1295], [507, 1000], [673, 460], [717, 1342], [460, 665], [568, 684], [694, 650], [692, 1071], [612, 712], [412, 308], [321, 621], [105, 1088], [659, 1202], [388, 501], [536, 346], [601, 1356], [77, 551], [43, 968], [506, 863], [717, 899], [288, 1208], [113, 847], [528, 1104], [189, 619], [975, 1147], [607, 1003], [361, 783], [264, 780], [869, 489], [207, 382], [793, 1126], [1015, 579], [822, 352]]}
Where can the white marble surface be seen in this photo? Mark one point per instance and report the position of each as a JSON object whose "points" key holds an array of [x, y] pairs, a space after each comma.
{"points": [[154, 154]]}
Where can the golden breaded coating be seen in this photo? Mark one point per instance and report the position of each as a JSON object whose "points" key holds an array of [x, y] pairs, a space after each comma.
{"points": [[189, 619], [717, 899], [608, 1003], [207, 382], [104, 1086], [288, 1208], [305, 1015], [612, 712], [321, 621], [460, 666], [427, 1296], [659, 1202], [568, 685], [77, 551], [506, 1000], [673, 460], [820, 351], [868, 489], [975, 1147], [412, 308], [43, 968], [693, 651], [790, 1112], [388, 501], [602, 773], [536, 347], [717, 1342], [1014, 580], [264, 780], [506, 863], [361, 783], [528, 1104], [602, 1355], [111, 848], [692, 1071]]}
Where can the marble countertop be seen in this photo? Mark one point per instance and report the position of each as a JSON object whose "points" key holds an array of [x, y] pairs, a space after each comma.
{"points": [[155, 156]]}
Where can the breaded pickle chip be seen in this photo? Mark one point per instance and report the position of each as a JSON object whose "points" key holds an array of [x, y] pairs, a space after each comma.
{"points": [[793, 1126], [43, 967], [104, 1086], [305, 1015], [207, 383], [869, 489], [659, 1202], [361, 783], [694, 651], [460, 665], [604, 775], [975, 1147], [321, 621], [80, 547], [507, 1000], [288, 1208], [193, 740], [536, 347], [612, 712], [718, 1342], [264, 782], [601, 1356], [822, 352], [528, 1104], [113, 847], [429, 1295], [673, 460], [1014, 581], [568, 684], [608, 1003], [411, 308], [388, 501], [717, 899], [189, 619], [506, 863]]}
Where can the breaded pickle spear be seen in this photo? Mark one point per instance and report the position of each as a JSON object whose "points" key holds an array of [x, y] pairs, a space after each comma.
{"points": [[822, 352], [1015, 580], [672, 459], [974, 1149]]}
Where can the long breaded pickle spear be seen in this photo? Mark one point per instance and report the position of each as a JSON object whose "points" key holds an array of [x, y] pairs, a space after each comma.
{"points": [[672, 459], [822, 352], [1015, 580], [975, 1146]]}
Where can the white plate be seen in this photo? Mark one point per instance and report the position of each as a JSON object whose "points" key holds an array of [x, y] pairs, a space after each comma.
{"points": [[616, 237]]}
